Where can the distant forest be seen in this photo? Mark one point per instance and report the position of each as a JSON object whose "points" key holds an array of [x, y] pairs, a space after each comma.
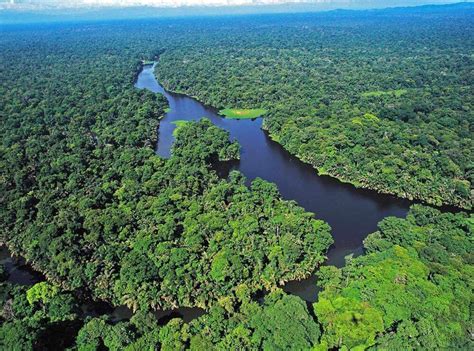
{"points": [[382, 100]]}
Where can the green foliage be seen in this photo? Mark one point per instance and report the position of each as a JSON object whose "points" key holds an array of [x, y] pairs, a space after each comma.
{"points": [[350, 323], [413, 288], [30, 318], [379, 93], [18, 335], [283, 323], [97, 333], [279, 322], [41, 292], [86, 199], [178, 124], [319, 82], [245, 113]]}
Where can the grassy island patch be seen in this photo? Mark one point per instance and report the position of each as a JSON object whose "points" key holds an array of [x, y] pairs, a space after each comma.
{"points": [[243, 113]]}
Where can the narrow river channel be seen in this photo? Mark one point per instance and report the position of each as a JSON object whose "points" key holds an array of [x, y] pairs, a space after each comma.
{"points": [[352, 213]]}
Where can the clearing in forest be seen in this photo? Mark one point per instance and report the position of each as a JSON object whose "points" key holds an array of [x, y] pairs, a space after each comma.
{"points": [[243, 113]]}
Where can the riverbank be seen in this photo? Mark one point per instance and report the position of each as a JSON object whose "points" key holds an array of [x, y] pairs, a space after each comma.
{"points": [[357, 183]]}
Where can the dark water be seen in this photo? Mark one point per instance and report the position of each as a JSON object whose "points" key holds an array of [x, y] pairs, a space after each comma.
{"points": [[187, 314], [352, 213], [16, 270], [122, 313]]}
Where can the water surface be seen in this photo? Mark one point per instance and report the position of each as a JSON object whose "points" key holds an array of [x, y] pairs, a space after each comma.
{"points": [[16, 270]]}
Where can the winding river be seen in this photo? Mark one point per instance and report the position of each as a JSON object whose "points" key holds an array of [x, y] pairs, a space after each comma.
{"points": [[352, 213]]}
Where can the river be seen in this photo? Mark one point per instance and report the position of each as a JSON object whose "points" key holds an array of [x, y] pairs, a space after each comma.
{"points": [[16, 270], [352, 213]]}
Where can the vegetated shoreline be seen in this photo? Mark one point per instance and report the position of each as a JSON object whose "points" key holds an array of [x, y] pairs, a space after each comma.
{"points": [[90, 306], [356, 183], [451, 207]]}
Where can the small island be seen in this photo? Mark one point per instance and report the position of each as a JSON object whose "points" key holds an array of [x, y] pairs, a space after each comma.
{"points": [[243, 113]]}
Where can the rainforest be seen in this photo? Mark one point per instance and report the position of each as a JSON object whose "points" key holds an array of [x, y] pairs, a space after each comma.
{"points": [[276, 182]]}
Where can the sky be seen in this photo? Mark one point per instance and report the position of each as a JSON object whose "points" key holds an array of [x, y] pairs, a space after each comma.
{"points": [[177, 3], [73, 3]]}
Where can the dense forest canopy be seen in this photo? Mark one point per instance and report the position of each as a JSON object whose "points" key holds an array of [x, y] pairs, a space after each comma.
{"points": [[382, 100], [87, 202], [412, 289]]}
